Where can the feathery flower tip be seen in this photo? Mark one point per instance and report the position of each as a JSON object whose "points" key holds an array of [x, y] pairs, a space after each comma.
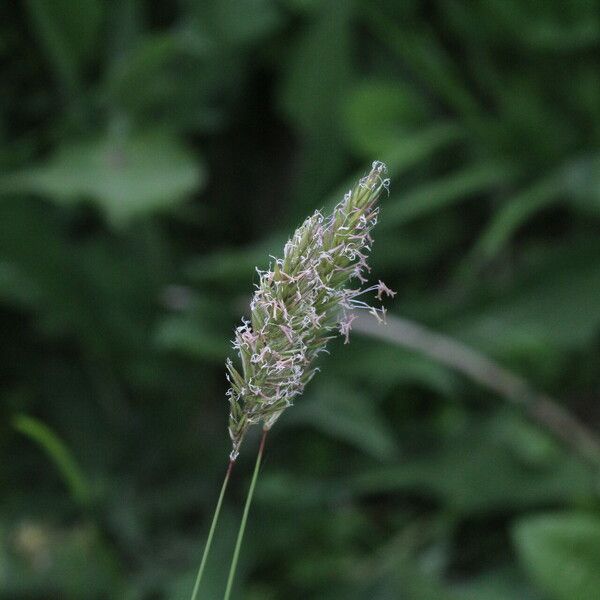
{"points": [[301, 302]]}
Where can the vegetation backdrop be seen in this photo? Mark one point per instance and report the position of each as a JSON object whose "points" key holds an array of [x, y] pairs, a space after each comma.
{"points": [[153, 153]]}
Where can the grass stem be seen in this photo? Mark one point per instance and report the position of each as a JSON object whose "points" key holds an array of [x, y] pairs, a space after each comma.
{"points": [[211, 532], [238, 543]]}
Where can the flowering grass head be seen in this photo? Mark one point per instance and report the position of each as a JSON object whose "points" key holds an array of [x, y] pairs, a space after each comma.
{"points": [[301, 302]]}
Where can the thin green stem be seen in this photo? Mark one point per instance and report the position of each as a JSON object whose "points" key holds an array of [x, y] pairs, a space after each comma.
{"points": [[238, 543], [213, 526]]}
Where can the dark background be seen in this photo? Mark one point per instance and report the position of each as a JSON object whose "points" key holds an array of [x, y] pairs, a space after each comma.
{"points": [[153, 153]]}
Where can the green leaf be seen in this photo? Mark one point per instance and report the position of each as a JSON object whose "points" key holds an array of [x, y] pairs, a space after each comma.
{"points": [[191, 337], [405, 153], [582, 182], [177, 70], [514, 213], [379, 113], [385, 367], [344, 413], [548, 305], [561, 553], [141, 67], [426, 58], [444, 192], [68, 32], [126, 178], [317, 78], [319, 71], [480, 469], [58, 452], [233, 266], [550, 26], [240, 21], [501, 584], [16, 287]]}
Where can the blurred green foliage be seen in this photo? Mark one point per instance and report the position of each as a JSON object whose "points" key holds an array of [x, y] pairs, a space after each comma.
{"points": [[153, 153]]}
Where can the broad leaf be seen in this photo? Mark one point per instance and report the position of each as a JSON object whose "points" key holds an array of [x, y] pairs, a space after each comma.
{"points": [[126, 178], [561, 553]]}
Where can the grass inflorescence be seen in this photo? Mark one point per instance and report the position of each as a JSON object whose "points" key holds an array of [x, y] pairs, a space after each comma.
{"points": [[300, 303]]}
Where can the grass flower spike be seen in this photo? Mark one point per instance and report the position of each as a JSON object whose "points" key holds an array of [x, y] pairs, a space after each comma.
{"points": [[301, 302]]}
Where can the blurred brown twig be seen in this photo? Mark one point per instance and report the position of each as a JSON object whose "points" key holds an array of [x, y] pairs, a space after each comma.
{"points": [[540, 407]]}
